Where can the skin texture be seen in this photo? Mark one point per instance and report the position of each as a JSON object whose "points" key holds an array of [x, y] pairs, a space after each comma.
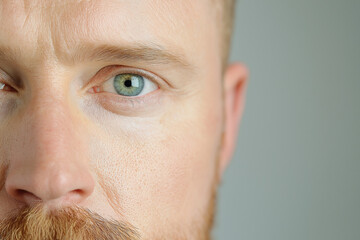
{"points": [[153, 161]]}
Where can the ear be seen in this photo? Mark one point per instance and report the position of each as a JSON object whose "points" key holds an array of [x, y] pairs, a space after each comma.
{"points": [[235, 81]]}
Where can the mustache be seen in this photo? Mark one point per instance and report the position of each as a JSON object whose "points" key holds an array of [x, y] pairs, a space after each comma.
{"points": [[37, 223]]}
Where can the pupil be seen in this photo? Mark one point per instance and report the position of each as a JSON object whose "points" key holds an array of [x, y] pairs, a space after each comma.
{"points": [[127, 83]]}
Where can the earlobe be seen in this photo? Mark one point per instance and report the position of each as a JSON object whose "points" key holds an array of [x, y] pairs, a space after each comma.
{"points": [[235, 81]]}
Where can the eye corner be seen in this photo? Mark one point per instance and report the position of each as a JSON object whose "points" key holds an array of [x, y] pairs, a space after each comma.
{"points": [[94, 89], [7, 88]]}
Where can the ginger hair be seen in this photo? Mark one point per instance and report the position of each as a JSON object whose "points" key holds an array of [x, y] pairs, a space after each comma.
{"points": [[227, 12]]}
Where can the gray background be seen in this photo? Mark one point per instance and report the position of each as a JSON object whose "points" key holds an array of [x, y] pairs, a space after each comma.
{"points": [[295, 174]]}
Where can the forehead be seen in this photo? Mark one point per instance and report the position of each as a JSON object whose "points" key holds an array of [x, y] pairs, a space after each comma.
{"points": [[61, 25]]}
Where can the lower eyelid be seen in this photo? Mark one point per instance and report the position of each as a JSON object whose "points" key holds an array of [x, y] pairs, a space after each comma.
{"points": [[123, 105]]}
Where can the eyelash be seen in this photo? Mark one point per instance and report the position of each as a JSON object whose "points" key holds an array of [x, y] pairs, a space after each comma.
{"points": [[111, 73]]}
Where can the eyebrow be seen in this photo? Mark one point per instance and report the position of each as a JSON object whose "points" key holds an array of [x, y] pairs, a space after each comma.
{"points": [[150, 54]]}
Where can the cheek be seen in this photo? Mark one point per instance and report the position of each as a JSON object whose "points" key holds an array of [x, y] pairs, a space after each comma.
{"points": [[163, 166]]}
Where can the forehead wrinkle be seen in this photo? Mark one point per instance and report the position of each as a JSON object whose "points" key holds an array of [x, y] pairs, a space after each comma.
{"points": [[71, 23], [162, 8], [101, 23]]}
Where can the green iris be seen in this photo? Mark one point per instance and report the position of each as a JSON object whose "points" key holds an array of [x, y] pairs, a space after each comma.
{"points": [[128, 84]]}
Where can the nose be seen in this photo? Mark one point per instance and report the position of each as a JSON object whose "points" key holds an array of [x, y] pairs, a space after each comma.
{"points": [[47, 159]]}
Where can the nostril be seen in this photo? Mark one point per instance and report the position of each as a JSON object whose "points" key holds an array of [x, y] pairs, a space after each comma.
{"points": [[27, 196], [78, 192], [76, 195], [57, 185]]}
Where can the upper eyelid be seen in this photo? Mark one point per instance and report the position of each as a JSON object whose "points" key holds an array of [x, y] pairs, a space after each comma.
{"points": [[112, 71], [9, 81], [5, 77], [141, 73], [13, 77]]}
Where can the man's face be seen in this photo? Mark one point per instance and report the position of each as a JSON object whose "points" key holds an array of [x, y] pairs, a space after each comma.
{"points": [[115, 107]]}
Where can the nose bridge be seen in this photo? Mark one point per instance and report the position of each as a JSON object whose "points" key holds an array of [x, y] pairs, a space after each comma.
{"points": [[52, 126], [52, 163]]}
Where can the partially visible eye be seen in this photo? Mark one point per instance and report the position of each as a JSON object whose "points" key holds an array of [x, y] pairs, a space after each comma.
{"points": [[5, 87], [127, 84]]}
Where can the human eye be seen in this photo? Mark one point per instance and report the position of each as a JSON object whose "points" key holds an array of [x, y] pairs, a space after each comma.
{"points": [[6, 87], [127, 84], [127, 90]]}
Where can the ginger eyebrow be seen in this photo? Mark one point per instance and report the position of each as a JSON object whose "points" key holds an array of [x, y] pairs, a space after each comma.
{"points": [[140, 53]]}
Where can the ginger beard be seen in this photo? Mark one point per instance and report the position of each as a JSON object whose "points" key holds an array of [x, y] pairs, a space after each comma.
{"points": [[69, 223], [39, 223]]}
